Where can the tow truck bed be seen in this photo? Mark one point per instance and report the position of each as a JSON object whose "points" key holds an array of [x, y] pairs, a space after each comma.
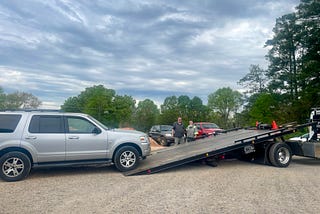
{"points": [[216, 145]]}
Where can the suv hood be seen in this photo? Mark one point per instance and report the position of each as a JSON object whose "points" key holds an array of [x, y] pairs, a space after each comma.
{"points": [[128, 131]]}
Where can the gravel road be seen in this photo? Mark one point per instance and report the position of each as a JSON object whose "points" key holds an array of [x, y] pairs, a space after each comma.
{"points": [[232, 187]]}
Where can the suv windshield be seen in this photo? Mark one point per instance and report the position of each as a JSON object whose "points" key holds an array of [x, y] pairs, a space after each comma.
{"points": [[99, 123], [166, 128]]}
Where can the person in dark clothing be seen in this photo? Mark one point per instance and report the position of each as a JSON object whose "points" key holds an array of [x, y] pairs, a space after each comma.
{"points": [[178, 132]]}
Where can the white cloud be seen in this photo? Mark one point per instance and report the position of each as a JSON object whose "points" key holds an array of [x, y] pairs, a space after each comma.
{"points": [[68, 9], [180, 16]]}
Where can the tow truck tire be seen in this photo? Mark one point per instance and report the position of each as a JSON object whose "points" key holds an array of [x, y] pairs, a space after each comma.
{"points": [[14, 166], [126, 158], [280, 155]]}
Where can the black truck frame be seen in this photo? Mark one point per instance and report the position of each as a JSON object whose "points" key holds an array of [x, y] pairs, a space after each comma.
{"points": [[249, 144]]}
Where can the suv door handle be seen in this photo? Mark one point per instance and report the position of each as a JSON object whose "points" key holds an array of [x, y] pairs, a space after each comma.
{"points": [[31, 137], [73, 137]]}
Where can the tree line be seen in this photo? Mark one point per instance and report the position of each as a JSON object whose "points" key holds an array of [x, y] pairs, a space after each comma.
{"points": [[18, 100], [285, 91], [123, 111], [290, 86]]}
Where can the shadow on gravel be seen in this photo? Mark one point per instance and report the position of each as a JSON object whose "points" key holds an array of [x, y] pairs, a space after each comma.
{"points": [[67, 171], [306, 161], [200, 165], [111, 170]]}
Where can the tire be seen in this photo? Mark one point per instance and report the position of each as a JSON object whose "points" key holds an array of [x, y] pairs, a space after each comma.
{"points": [[126, 158], [15, 166], [280, 155], [163, 141]]}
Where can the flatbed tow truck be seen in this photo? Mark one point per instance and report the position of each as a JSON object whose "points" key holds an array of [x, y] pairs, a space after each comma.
{"points": [[266, 146]]}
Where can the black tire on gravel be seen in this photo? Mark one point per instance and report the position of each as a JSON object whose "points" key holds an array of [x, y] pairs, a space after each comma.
{"points": [[280, 155], [126, 158], [15, 166], [163, 141]]}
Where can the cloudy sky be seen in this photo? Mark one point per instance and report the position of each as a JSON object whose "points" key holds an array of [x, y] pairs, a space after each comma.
{"points": [[54, 49]]}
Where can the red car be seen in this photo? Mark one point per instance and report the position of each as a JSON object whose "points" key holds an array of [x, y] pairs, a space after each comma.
{"points": [[206, 129]]}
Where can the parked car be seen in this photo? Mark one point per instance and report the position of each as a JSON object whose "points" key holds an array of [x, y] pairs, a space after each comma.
{"points": [[302, 138], [46, 139], [162, 134], [206, 129]]}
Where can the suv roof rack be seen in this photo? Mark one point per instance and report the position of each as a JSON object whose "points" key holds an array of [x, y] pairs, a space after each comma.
{"points": [[36, 110]]}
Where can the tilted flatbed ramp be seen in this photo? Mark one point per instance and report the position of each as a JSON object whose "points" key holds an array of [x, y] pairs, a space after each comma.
{"points": [[216, 145]]}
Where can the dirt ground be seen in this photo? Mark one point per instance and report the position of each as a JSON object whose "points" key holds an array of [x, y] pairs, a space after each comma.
{"points": [[232, 187]]}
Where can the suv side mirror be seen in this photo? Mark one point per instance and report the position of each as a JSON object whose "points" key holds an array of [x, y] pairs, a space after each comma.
{"points": [[96, 130]]}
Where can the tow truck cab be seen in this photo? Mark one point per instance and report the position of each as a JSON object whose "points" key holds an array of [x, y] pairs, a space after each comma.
{"points": [[314, 131]]}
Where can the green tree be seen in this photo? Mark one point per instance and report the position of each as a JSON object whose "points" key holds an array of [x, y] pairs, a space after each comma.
{"points": [[124, 107], [283, 56], [2, 99], [72, 104], [264, 109], [225, 102], [255, 81], [198, 111], [145, 115], [308, 16], [21, 100], [184, 107], [169, 110], [103, 104], [295, 60]]}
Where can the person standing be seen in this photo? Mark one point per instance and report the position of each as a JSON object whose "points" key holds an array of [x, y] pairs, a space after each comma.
{"points": [[192, 131], [178, 132]]}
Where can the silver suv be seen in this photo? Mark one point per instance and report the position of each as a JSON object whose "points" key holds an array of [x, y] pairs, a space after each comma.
{"points": [[45, 139]]}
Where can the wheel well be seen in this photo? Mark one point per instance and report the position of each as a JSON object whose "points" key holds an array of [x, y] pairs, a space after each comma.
{"points": [[17, 149], [127, 144]]}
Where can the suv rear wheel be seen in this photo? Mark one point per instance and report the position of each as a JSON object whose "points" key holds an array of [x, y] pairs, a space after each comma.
{"points": [[126, 158], [15, 166]]}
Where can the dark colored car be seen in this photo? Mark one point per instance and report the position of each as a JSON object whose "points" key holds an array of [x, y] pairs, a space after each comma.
{"points": [[206, 129], [162, 134]]}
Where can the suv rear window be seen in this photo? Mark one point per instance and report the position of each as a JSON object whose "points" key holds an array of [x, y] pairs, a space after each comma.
{"points": [[46, 124], [9, 122]]}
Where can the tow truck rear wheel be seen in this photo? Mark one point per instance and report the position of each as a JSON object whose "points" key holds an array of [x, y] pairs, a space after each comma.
{"points": [[280, 155]]}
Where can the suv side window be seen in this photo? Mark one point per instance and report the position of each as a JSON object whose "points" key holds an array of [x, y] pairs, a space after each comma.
{"points": [[79, 125], [46, 124], [9, 122]]}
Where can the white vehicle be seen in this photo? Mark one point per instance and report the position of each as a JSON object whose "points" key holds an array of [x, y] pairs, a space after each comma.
{"points": [[315, 117], [302, 138]]}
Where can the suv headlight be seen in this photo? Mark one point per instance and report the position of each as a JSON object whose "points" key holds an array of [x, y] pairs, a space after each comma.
{"points": [[143, 139], [168, 135]]}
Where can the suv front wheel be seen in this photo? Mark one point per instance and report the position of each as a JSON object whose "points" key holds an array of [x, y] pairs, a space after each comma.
{"points": [[126, 158], [15, 166]]}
